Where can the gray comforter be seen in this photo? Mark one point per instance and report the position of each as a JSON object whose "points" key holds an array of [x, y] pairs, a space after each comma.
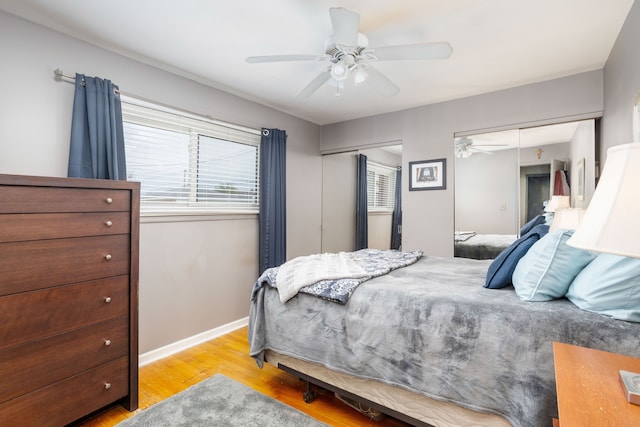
{"points": [[434, 329]]}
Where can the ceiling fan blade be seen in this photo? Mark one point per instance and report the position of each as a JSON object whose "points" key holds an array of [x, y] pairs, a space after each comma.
{"points": [[345, 26], [285, 58], [437, 50], [315, 84], [380, 82]]}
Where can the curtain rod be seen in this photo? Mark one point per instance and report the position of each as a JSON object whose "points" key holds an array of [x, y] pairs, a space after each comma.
{"points": [[59, 75]]}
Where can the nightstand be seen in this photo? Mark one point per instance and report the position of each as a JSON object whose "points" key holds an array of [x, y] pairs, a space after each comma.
{"points": [[589, 389]]}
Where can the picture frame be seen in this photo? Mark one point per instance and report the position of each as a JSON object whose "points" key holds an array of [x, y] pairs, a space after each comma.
{"points": [[580, 192], [428, 175]]}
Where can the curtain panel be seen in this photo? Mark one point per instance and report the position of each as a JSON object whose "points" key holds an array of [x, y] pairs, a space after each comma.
{"points": [[362, 213], [396, 216], [273, 201], [97, 137]]}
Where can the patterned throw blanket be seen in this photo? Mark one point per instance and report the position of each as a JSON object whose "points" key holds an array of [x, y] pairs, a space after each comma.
{"points": [[322, 281]]}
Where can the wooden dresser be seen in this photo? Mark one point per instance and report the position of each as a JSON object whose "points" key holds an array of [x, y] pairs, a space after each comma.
{"points": [[68, 298]]}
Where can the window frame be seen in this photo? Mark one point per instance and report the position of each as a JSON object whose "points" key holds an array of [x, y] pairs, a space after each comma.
{"points": [[156, 116]]}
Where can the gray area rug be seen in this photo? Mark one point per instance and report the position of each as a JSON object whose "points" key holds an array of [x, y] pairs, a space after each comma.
{"points": [[220, 401]]}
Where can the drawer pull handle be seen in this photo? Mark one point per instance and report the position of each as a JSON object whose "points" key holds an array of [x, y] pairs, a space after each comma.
{"points": [[107, 257], [107, 386], [109, 200], [107, 342], [107, 300], [109, 223]]}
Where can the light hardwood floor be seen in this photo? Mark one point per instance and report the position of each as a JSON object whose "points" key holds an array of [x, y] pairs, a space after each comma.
{"points": [[229, 355]]}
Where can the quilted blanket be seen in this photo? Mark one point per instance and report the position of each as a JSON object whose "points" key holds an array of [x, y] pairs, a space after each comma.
{"points": [[433, 328], [333, 277]]}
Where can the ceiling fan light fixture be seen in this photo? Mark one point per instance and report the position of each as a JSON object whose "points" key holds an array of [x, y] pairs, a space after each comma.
{"points": [[340, 70], [360, 75]]}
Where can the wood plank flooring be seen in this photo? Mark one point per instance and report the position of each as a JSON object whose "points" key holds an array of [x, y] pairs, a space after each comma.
{"points": [[229, 355]]}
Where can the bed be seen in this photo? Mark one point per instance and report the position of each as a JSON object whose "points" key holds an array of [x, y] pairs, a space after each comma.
{"points": [[481, 246], [429, 342]]}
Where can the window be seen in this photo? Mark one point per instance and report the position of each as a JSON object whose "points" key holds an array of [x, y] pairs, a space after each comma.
{"points": [[187, 164], [381, 186]]}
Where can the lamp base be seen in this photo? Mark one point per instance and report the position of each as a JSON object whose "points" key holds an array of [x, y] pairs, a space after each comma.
{"points": [[630, 382]]}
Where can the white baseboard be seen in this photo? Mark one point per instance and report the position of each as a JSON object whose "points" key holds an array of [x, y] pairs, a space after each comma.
{"points": [[168, 350]]}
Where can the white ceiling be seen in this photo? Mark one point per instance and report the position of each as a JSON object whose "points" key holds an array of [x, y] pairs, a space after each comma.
{"points": [[497, 44]]}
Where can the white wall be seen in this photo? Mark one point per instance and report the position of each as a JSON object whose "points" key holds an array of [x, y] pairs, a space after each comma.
{"points": [[194, 275], [427, 133]]}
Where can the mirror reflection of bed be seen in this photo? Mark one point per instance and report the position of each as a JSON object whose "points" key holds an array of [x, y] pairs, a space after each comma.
{"points": [[504, 180]]}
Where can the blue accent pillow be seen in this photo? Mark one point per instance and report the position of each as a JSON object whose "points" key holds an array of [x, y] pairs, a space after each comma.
{"points": [[501, 269], [537, 220], [548, 268], [609, 285]]}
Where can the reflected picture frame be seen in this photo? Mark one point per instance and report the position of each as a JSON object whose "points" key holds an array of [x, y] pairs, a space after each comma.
{"points": [[428, 175], [580, 192]]}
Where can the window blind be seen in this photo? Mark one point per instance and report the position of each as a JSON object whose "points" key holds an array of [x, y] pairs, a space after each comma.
{"points": [[381, 184], [188, 165]]}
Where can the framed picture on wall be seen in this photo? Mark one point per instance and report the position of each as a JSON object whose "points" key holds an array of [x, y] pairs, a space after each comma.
{"points": [[580, 193], [428, 175]]}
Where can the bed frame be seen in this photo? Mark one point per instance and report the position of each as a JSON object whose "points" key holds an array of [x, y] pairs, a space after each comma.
{"points": [[404, 405]]}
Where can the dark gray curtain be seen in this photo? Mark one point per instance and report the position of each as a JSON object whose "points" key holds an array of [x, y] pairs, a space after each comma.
{"points": [[396, 217], [362, 219], [273, 201], [97, 137]]}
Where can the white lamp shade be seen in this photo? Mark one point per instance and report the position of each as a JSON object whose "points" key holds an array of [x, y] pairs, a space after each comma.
{"points": [[611, 223], [567, 219], [557, 202]]}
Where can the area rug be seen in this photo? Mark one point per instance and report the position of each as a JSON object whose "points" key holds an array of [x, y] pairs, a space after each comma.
{"points": [[220, 401]]}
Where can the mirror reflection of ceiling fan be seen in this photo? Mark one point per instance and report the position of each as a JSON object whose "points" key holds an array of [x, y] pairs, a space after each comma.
{"points": [[348, 53], [466, 146]]}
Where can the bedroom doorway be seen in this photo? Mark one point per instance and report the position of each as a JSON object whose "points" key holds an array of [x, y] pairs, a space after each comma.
{"points": [[537, 192]]}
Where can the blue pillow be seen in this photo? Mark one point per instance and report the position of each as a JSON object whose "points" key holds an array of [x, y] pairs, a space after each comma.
{"points": [[501, 269], [549, 267], [609, 285], [537, 220]]}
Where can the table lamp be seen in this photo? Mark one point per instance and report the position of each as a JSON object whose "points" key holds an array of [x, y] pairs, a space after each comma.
{"points": [[611, 223], [557, 202], [567, 219]]}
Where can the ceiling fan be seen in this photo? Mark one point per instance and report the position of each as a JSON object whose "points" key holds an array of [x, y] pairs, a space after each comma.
{"points": [[348, 53], [465, 147]]}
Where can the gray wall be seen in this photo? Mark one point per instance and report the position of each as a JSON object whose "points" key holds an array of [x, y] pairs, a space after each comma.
{"points": [[427, 133], [486, 193], [194, 275], [621, 84]]}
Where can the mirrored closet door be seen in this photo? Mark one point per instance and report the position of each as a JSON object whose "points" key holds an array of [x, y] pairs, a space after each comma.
{"points": [[505, 179]]}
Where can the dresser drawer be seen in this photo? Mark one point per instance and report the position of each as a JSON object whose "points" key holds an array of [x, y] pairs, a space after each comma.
{"points": [[24, 227], [31, 366], [35, 315], [20, 199], [65, 401], [41, 264]]}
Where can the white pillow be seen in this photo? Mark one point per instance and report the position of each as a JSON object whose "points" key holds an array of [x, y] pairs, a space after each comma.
{"points": [[549, 267]]}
